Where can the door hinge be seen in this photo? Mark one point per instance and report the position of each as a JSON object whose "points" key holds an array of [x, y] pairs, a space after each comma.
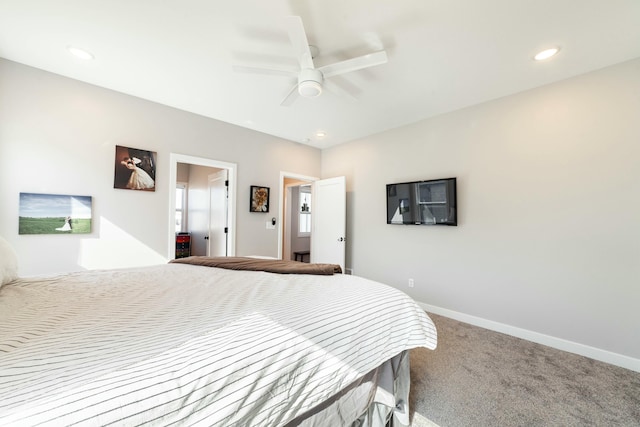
{"points": [[226, 230], [226, 183]]}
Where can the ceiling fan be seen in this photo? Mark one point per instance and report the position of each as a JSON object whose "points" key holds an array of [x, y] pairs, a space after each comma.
{"points": [[312, 80]]}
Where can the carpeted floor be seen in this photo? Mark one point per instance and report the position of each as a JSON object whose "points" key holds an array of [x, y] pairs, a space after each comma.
{"points": [[478, 377]]}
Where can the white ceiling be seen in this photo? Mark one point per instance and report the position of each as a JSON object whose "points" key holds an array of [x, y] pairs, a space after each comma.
{"points": [[443, 55]]}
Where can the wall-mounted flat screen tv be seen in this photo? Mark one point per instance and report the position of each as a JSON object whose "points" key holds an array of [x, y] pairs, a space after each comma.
{"points": [[422, 202]]}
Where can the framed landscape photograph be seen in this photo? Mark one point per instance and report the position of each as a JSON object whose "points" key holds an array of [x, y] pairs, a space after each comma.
{"points": [[54, 214], [259, 199], [135, 169]]}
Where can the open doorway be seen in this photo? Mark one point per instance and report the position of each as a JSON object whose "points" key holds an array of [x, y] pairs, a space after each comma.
{"points": [[328, 218], [294, 235], [204, 215]]}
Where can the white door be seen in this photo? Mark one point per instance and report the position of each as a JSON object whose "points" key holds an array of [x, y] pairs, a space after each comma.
{"points": [[218, 199], [285, 223], [328, 220]]}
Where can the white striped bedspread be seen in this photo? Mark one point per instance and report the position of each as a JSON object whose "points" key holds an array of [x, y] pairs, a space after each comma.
{"points": [[188, 345]]}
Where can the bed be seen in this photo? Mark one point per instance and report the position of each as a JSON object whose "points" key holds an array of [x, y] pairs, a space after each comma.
{"points": [[183, 344]]}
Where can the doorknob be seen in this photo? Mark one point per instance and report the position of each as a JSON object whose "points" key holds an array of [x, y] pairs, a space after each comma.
{"points": [[206, 237], [342, 239]]}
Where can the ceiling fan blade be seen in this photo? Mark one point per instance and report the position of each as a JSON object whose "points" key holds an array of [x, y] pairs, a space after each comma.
{"points": [[299, 41], [265, 71], [354, 64], [291, 96], [334, 88]]}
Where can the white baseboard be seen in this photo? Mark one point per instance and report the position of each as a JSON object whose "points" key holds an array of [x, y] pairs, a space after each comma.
{"points": [[559, 343]]}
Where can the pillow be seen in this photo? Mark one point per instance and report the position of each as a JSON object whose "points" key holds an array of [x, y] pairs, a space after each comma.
{"points": [[8, 263]]}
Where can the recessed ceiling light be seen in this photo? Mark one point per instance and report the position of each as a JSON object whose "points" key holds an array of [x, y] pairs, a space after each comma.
{"points": [[80, 53], [546, 54], [320, 134]]}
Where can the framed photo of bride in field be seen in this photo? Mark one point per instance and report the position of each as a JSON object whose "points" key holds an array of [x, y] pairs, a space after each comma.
{"points": [[135, 169], [54, 214]]}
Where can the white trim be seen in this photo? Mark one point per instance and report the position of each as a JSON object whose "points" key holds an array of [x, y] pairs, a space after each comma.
{"points": [[558, 343], [281, 207], [174, 159]]}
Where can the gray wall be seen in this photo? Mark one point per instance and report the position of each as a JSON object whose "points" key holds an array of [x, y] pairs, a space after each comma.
{"points": [[548, 197], [58, 136], [548, 210]]}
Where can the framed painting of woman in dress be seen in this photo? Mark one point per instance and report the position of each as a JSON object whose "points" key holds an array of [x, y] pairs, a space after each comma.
{"points": [[135, 169]]}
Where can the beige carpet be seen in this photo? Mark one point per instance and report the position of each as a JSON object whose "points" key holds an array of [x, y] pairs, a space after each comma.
{"points": [[477, 377]]}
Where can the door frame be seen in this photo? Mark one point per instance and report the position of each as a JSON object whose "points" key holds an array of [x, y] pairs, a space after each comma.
{"points": [[281, 206], [232, 168]]}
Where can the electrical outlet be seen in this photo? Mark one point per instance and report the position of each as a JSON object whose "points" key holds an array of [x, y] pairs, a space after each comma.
{"points": [[410, 283]]}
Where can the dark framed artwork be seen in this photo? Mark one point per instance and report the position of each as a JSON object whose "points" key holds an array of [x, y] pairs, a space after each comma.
{"points": [[135, 169], [259, 201], [54, 214]]}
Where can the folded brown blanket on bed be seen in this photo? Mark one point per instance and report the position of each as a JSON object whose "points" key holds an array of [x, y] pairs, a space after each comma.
{"points": [[259, 264]]}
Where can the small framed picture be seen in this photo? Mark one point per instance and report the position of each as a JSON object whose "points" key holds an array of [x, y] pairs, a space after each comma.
{"points": [[135, 169], [259, 201]]}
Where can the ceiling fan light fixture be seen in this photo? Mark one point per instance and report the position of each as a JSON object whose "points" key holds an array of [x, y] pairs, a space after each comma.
{"points": [[310, 89], [310, 83]]}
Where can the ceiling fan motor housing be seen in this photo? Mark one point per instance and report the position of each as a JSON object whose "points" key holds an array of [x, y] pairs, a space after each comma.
{"points": [[310, 82]]}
